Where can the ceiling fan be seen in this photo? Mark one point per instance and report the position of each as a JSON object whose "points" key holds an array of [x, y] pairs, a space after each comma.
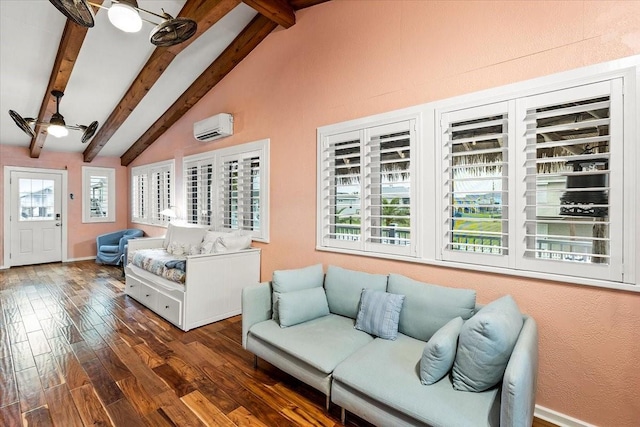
{"points": [[56, 126], [125, 15]]}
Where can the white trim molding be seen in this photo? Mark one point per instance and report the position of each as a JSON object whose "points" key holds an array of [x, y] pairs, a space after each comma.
{"points": [[558, 418]]}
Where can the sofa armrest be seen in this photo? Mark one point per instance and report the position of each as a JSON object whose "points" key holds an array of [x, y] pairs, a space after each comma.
{"points": [[256, 307], [520, 379]]}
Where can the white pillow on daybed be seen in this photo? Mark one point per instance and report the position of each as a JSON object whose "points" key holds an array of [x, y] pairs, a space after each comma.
{"points": [[186, 236]]}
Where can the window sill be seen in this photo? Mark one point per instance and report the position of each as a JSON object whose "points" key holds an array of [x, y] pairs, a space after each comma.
{"points": [[496, 270]]}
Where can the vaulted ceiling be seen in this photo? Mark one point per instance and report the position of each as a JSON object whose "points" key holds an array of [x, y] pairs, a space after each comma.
{"points": [[135, 90]]}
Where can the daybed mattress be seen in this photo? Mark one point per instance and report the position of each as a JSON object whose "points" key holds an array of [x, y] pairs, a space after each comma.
{"points": [[155, 261]]}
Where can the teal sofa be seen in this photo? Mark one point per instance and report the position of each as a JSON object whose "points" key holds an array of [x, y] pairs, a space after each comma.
{"points": [[380, 379]]}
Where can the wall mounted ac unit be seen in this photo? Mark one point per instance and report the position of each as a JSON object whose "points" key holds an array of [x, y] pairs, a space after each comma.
{"points": [[215, 127]]}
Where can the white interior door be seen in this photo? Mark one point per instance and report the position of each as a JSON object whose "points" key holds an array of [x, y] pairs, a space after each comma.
{"points": [[35, 217]]}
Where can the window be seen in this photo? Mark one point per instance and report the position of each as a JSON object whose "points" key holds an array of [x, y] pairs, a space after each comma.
{"points": [[528, 182], [228, 189], [476, 184], [573, 156], [366, 189], [98, 194], [152, 191], [536, 179]]}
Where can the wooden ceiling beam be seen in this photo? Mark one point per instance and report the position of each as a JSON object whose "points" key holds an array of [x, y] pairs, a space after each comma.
{"points": [[279, 11], [70, 43], [206, 14], [250, 37]]}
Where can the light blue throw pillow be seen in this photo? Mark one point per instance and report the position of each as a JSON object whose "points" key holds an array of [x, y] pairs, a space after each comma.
{"points": [[428, 308], [440, 352], [344, 287], [485, 345], [302, 306], [297, 279], [379, 313], [294, 280]]}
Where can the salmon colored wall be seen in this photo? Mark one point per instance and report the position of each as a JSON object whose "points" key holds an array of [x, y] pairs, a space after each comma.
{"points": [[81, 237], [349, 59]]}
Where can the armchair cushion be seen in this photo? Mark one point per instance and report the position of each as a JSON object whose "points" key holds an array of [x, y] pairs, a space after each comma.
{"points": [[111, 246]]}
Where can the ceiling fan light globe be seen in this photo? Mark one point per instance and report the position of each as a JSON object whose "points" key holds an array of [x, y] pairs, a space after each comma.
{"points": [[125, 17], [57, 131]]}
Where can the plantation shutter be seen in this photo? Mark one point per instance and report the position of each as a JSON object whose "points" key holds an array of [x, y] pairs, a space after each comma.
{"points": [[388, 181], [476, 185], [138, 192], [573, 176], [160, 193], [239, 194], [199, 188], [341, 192]]}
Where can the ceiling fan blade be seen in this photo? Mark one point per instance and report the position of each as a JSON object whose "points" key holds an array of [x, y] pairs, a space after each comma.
{"points": [[78, 11], [173, 31], [89, 132], [22, 123]]}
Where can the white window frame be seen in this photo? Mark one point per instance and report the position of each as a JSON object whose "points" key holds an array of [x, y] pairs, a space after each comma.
{"points": [[150, 212], [109, 174], [217, 158], [360, 129], [430, 178]]}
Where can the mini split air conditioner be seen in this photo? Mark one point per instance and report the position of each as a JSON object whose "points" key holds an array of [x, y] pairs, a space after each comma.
{"points": [[215, 127]]}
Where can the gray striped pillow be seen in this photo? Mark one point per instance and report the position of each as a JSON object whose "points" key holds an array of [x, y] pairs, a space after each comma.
{"points": [[379, 313]]}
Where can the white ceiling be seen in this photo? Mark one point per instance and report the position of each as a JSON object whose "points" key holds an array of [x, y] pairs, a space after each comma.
{"points": [[108, 62]]}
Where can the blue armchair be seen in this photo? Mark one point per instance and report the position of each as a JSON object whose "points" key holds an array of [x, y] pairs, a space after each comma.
{"points": [[112, 246]]}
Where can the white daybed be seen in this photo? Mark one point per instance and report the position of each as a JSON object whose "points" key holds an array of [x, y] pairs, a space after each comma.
{"points": [[213, 281]]}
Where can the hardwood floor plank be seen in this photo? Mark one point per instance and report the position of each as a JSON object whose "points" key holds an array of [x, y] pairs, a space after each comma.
{"points": [[21, 355], [150, 358], [174, 380], [208, 413], [140, 399], [89, 407], [38, 342], [30, 389], [176, 411], [116, 368], [104, 385], [243, 418], [123, 414], [61, 407], [72, 371], [50, 374], [38, 417], [10, 416], [8, 385]]}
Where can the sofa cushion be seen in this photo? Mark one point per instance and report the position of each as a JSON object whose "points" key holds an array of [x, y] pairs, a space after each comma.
{"points": [[294, 280], [440, 352], [388, 372], [427, 308], [344, 287], [485, 345], [321, 343], [379, 313], [298, 279], [302, 306]]}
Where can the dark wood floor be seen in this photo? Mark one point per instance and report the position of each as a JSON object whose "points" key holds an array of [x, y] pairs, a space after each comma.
{"points": [[75, 351]]}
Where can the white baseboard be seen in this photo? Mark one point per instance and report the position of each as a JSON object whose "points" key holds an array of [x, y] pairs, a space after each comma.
{"points": [[559, 418], [87, 258]]}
